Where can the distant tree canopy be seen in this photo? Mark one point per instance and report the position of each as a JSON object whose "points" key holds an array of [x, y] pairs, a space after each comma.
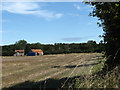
{"points": [[57, 48], [21, 44], [109, 15], [27, 49], [8, 50]]}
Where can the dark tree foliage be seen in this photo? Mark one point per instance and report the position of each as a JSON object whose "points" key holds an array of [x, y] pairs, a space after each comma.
{"points": [[27, 49], [109, 15], [0, 50], [21, 44], [8, 50], [57, 48], [36, 46]]}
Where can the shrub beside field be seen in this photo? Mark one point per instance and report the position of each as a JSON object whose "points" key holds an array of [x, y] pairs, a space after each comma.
{"points": [[110, 80]]}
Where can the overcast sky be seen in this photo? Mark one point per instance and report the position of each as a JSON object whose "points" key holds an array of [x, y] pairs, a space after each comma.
{"points": [[48, 23]]}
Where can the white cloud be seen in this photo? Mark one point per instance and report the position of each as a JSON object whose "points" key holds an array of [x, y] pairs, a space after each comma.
{"points": [[29, 8], [74, 39], [77, 6]]}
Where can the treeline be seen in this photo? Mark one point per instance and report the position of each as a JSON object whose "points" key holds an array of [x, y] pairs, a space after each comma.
{"points": [[57, 48]]}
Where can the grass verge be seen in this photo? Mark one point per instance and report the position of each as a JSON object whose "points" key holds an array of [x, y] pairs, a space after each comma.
{"points": [[97, 67], [110, 80]]}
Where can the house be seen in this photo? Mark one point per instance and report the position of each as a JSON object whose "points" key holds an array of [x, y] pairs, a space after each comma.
{"points": [[35, 52], [19, 53], [32, 54]]}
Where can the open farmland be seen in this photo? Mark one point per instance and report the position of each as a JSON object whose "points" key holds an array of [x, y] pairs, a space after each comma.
{"points": [[20, 71]]}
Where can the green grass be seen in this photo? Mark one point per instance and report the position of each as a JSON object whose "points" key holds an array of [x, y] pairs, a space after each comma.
{"points": [[110, 80], [98, 67]]}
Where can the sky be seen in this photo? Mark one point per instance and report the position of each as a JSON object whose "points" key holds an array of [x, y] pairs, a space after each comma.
{"points": [[48, 22]]}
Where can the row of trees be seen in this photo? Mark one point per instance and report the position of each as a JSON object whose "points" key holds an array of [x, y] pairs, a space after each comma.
{"points": [[57, 48]]}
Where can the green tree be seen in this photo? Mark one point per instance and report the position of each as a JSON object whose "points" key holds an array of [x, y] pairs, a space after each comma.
{"points": [[36, 46], [92, 46], [27, 49], [109, 15], [21, 44], [7, 50]]}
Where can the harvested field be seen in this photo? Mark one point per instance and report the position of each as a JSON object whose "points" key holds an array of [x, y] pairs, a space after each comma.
{"points": [[21, 70]]}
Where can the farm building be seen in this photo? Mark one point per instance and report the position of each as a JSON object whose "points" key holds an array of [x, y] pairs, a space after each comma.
{"points": [[38, 51], [35, 52], [32, 54], [19, 53]]}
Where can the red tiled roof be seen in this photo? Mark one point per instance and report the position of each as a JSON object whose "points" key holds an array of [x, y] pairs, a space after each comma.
{"points": [[37, 50], [19, 50]]}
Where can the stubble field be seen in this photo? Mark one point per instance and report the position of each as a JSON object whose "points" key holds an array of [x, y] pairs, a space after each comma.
{"points": [[29, 71]]}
